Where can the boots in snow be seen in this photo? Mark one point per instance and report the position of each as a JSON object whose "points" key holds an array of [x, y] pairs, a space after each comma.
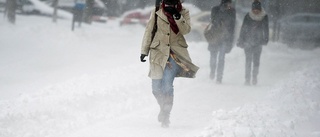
{"points": [[160, 100], [247, 83], [212, 75], [254, 80], [167, 107]]}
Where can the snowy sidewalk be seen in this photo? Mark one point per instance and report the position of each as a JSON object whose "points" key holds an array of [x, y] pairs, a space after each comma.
{"points": [[90, 82]]}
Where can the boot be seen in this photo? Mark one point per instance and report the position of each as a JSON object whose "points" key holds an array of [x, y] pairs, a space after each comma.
{"points": [[247, 83], [248, 79], [160, 100], [161, 115], [212, 75], [219, 81], [254, 80], [167, 107]]}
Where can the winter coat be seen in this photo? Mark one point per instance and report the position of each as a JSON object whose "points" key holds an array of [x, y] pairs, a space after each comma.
{"points": [[254, 30], [225, 19], [165, 40]]}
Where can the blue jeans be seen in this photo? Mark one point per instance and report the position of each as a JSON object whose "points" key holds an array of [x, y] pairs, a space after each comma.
{"points": [[164, 86], [217, 55]]}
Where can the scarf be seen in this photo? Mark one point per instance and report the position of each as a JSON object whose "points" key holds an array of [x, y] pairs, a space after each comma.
{"points": [[173, 24], [258, 17]]}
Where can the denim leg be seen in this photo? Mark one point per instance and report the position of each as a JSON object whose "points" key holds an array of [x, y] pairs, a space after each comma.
{"points": [[164, 86], [167, 87], [156, 90], [249, 56], [156, 86], [221, 56], [168, 77], [256, 60]]}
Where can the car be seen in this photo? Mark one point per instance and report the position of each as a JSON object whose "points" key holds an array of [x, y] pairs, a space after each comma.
{"points": [[300, 29], [28, 7], [136, 16], [198, 24]]}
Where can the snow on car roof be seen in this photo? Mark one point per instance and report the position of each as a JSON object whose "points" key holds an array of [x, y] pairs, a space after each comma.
{"points": [[46, 9]]}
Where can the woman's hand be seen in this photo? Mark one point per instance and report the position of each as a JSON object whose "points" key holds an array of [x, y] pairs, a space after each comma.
{"points": [[142, 56]]}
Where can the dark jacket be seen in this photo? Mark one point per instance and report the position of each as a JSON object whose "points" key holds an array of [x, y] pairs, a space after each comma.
{"points": [[226, 19], [254, 30]]}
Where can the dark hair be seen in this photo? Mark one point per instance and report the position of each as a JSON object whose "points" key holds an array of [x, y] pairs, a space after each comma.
{"points": [[256, 5]]}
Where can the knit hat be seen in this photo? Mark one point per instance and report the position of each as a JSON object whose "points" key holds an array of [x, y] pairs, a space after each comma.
{"points": [[225, 1], [256, 5]]}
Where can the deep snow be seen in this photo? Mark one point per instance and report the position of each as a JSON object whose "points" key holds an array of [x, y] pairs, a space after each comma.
{"points": [[90, 83]]}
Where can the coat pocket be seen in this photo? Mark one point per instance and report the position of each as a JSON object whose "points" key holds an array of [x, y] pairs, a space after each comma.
{"points": [[154, 44], [183, 43]]}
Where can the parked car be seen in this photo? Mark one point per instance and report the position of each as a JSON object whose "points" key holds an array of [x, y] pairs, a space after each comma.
{"points": [[27, 7], [136, 16], [300, 28]]}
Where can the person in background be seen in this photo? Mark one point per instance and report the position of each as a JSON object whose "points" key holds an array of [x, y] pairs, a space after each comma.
{"points": [[78, 11], [253, 34], [223, 19], [168, 53]]}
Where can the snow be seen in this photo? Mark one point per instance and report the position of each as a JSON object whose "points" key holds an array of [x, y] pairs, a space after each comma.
{"points": [[299, 99], [90, 82], [46, 9]]}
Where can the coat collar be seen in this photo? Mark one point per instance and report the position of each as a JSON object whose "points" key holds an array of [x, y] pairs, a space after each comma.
{"points": [[162, 15], [258, 17]]}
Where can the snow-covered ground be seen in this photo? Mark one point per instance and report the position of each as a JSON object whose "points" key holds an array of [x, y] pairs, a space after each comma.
{"points": [[90, 83]]}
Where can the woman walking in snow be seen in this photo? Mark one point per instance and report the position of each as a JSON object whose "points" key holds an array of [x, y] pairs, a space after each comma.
{"points": [[254, 33], [168, 54]]}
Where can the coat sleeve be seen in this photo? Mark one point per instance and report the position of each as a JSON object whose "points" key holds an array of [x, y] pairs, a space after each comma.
{"points": [[244, 31], [265, 30], [184, 22], [214, 16], [231, 28], [146, 41]]}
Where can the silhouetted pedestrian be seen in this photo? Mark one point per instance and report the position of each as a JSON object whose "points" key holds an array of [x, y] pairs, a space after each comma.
{"points": [[223, 20], [254, 33]]}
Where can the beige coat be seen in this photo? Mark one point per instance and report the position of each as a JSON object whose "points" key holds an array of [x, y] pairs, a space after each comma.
{"points": [[164, 40]]}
